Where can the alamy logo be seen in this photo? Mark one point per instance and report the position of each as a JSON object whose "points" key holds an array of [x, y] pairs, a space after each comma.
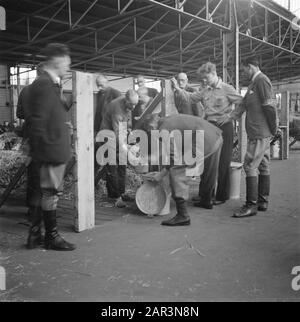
{"points": [[2, 18], [157, 147], [296, 279]]}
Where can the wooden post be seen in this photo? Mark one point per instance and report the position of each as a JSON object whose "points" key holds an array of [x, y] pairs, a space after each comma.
{"points": [[168, 105], [284, 123], [84, 202], [231, 63], [242, 137], [2, 279]]}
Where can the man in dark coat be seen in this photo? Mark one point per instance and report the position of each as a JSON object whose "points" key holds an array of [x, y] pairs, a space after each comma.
{"points": [[118, 111], [33, 191], [50, 146], [105, 95]]}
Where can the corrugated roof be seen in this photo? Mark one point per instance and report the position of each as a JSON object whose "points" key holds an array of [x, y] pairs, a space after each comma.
{"points": [[143, 38]]}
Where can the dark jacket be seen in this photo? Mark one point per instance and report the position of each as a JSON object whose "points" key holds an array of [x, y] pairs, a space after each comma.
{"points": [[49, 135], [258, 95], [185, 105], [152, 92], [103, 99], [23, 109], [116, 113], [22, 105]]}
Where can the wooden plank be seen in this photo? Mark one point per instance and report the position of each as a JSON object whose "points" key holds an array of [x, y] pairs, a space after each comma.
{"points": [[84, 201], [242, 137], [151, 108], [284, 122], [169, 107]]}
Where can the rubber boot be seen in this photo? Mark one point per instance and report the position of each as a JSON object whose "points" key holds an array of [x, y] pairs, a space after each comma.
{"points": [[35, 238], [52, 239], [250, 207], [263, 192], [181, 218]]}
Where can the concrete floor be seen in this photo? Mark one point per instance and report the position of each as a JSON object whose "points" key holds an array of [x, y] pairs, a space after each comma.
{"points": [[129, 257]]}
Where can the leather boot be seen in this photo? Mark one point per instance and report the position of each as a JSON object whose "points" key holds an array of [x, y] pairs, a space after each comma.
{"points": [[205, 202], [250, 207], [181, 218], [52, 239], [35, 238], [263, 192]]}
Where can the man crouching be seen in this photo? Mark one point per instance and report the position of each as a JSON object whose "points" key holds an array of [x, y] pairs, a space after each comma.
{"points": [[209, 150]]}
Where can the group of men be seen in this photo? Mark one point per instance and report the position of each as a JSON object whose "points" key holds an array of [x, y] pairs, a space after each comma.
{"points": [[209, 108], [213, 108]]}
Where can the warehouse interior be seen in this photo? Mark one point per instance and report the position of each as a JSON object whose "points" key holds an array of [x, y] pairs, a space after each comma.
{"points": [[127, 256]]}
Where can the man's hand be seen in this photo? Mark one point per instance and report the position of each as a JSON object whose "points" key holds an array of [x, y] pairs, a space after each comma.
{"points": [[157, 177], [225, 119], [174, 83]]}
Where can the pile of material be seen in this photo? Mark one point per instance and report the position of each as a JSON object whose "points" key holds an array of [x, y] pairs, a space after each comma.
{"points": [[10, 141], [11, 160]]}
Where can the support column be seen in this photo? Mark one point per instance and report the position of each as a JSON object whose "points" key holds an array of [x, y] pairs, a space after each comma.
{"points": [[284, 123], [231, 65], [84, 203], [168, 103]]}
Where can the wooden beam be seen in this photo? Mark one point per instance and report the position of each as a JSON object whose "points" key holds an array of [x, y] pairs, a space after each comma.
{"points": [[242, 137], [84, 203], [168, 106], [152, 106], [284, 123]]}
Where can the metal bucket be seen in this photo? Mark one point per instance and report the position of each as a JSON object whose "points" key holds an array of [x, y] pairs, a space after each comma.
{"points": [[154, 198], [235, 180]]}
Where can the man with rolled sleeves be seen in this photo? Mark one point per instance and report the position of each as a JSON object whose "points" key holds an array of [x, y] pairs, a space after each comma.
{"points": [[261, 125], [177, 172], [217, 99], [50, 146]]}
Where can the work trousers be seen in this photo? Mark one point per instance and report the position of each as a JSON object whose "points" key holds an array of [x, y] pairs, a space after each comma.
{"points": [[257, 158], [179, 182], [33, 191], [115, 180], [223, 184], [209, 176], [51, 183]]}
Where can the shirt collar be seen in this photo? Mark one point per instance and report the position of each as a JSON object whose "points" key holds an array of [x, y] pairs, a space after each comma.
{"points": [[56, 79], [255, 75]]}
